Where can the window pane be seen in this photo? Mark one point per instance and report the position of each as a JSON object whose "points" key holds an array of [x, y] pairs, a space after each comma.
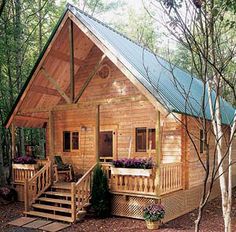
{"points": [[152, 138], [66, 140], [75, 140], [141, 139]]}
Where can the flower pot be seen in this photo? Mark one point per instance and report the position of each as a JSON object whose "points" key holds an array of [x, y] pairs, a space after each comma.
{"points": [[152, 225], [131, 171]]}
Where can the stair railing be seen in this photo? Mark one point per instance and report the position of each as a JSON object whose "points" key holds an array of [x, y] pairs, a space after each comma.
{"points": [[81, 192], [36, 185]]}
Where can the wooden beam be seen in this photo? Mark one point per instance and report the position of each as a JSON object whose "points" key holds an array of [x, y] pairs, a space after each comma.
{"points": [[97, 133], [13, 141], [64, 57], [55, 84], [30, 118], [92, 103], [72, 70], [44, 90], [91, 75], [158, 153], [51, 135]]}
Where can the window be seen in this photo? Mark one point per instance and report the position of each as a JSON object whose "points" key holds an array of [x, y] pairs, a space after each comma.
{"points": [[203, 141], [141, 139], [144, 138], [66, 140], [152, 138], [75, 140], [70, 141]]}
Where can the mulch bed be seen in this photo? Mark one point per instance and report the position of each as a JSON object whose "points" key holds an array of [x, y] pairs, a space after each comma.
{"points": [[212, 221]]}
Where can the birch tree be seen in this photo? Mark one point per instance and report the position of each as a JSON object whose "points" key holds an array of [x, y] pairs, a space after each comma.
{"points": [[206, 29]]}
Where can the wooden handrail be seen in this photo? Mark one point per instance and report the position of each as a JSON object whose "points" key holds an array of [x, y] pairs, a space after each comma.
{"points": [[36, 185], [85, 175], [81, 192]]}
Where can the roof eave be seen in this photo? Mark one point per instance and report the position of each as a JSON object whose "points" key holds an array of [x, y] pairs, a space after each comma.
{"points": [[11, 114]]}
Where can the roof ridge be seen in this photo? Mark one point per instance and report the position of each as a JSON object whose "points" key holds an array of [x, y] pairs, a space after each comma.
{"points": [[111, 28]]}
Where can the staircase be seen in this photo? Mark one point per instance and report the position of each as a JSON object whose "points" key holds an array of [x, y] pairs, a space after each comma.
{"points": [[56, 203], [61, 201]]}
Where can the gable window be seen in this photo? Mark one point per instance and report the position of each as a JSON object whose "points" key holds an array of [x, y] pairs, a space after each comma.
{"points": [[203, 141], [144, 138], [70, 141]]}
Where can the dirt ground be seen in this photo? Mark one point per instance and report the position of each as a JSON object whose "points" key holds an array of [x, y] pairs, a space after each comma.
{"points": [[212, 221]]}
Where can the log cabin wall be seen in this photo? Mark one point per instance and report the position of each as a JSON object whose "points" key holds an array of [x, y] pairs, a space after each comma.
{"points": [[196, 171], [123, 117]]}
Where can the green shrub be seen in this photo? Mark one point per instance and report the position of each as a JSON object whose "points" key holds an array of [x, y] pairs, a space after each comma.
{"points": [[100, 193]]}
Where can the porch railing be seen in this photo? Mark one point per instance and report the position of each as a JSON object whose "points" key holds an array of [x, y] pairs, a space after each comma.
{"points": [[36, 185], [171, 177], [21, 172], [170, 181], [133, 184]]}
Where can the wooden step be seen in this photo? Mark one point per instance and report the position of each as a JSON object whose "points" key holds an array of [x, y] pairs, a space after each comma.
{"points": [[50, 216], [53, 200], [53, 208], [61, 186], [61, 194]]}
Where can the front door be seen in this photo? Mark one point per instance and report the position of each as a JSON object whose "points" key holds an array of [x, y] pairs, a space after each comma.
{"points": [[106, 145]]}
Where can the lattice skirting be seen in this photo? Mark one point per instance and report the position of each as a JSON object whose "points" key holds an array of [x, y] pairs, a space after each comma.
{"points": [[130, 206], [176, 204]]}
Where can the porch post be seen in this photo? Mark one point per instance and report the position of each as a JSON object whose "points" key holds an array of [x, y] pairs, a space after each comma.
{"points": [[51, 144], [97, 128], [71, 41], [13, 141], [51, 135], [158, 154]]}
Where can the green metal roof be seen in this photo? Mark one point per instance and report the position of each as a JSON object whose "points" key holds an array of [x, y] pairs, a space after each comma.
{"points": [[174, 88], [182, 94]]}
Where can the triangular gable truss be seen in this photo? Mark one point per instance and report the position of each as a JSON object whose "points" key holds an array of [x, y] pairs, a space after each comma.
{"points": [[107, 50]]}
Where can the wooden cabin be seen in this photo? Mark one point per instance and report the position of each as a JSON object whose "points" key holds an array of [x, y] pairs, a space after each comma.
{"points": [[101, 96]]}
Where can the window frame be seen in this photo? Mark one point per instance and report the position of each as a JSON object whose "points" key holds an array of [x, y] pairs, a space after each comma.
{"points": [[147, 139], [71, 140]]}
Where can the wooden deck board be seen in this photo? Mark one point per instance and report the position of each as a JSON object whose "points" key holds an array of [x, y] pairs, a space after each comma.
{"points": [[54, 227], [37, 224], [22, 221]]}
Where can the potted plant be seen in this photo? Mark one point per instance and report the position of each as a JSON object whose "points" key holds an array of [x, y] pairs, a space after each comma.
{"points": [[153, 214], [132, 167]]}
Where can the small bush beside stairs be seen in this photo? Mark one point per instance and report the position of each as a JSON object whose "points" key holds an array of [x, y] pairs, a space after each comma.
{"points": [[100, 200]]}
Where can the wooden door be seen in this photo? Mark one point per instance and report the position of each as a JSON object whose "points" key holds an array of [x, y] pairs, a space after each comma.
{"points": [[107, 144]]}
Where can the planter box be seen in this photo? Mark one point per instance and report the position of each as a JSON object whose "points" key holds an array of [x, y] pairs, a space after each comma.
{"points": [[131, 171], [25, 166]]}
